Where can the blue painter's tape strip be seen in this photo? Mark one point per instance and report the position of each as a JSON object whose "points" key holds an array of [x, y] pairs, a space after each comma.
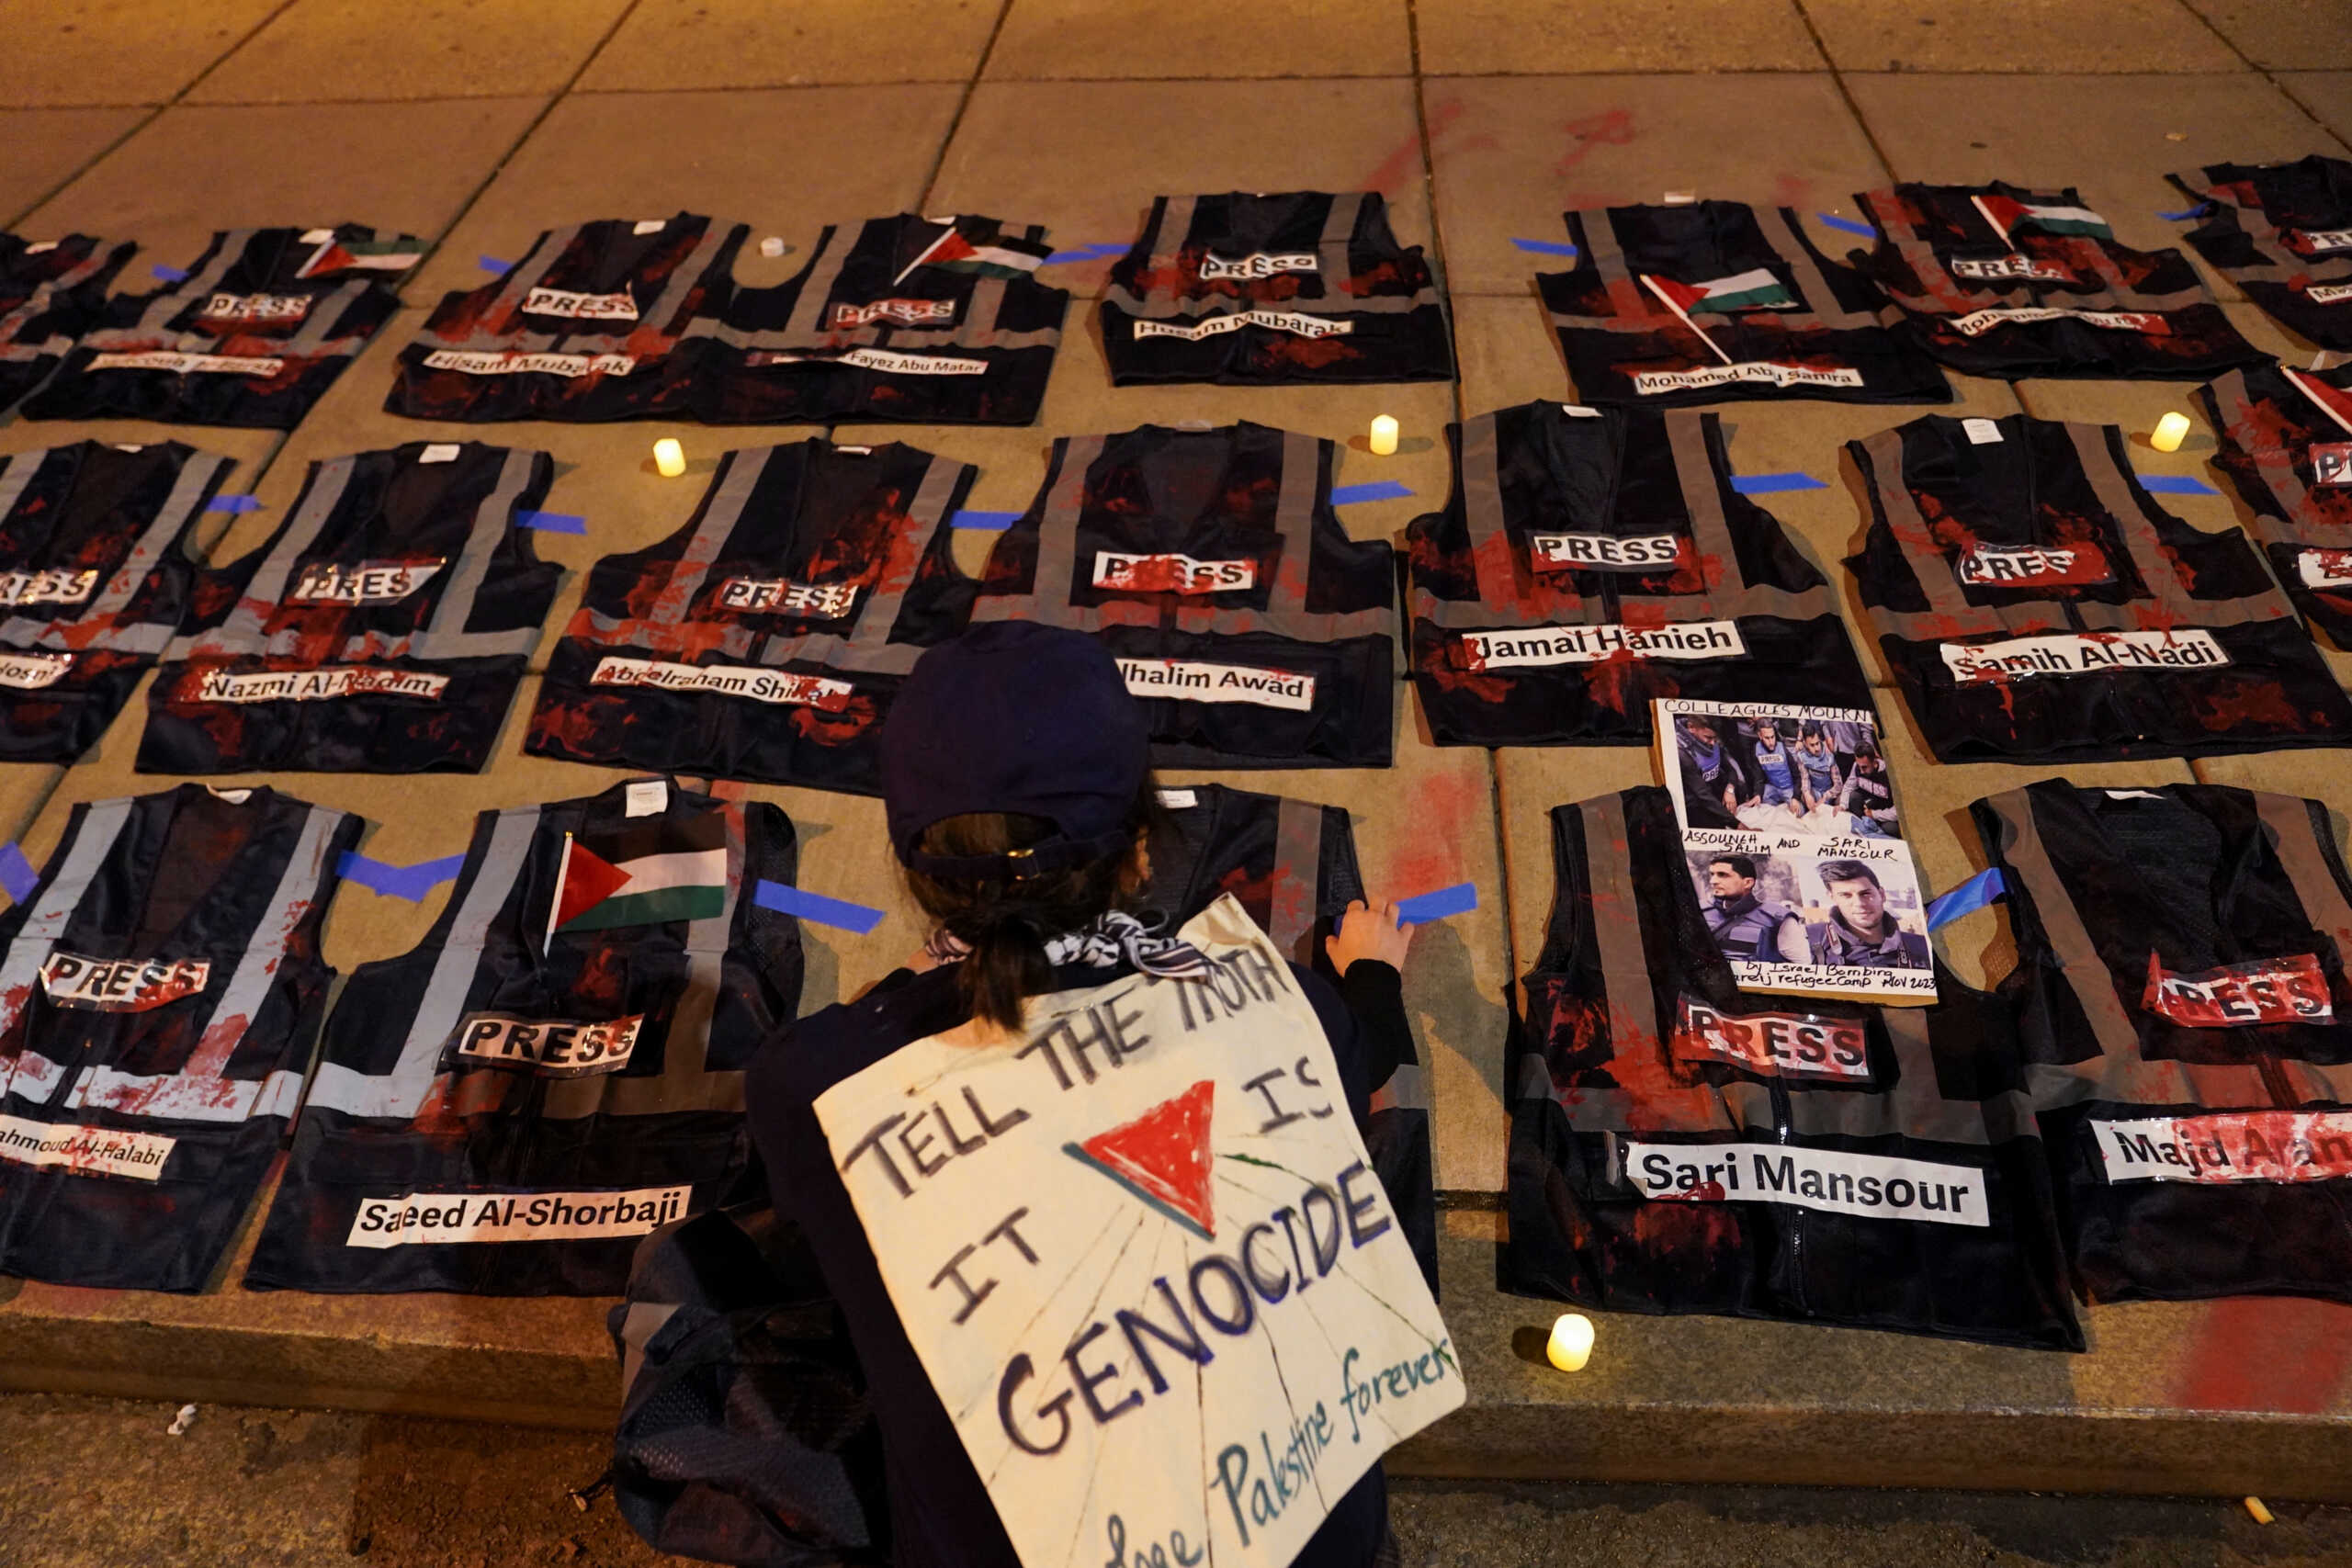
{"points": [[2197, 212], [991, 522], [409, 882], [1545, 247], [1458, 900], [232, 504], [169, 274], [491, 264], [16, 874], [1847, 224], [552, 522], [1965, 899], [1378, 489], [2175, 484], [1764, 484], [1086, 252], [787, 899]]}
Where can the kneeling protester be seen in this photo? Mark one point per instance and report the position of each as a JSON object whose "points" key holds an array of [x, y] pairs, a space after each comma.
{"points": [[1100, 1236]]}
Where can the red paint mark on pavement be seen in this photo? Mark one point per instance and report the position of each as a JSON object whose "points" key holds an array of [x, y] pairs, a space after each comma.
{"points": [[2283, 1354], [1440, 807], [1610, 127]]}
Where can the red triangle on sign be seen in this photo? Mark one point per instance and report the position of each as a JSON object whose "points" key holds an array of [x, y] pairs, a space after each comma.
{"points": [[587, 880], [1162, 1157]]}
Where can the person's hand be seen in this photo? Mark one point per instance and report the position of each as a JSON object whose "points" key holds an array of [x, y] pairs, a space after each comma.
{"points": [[1731, 800], [1368, 931]]}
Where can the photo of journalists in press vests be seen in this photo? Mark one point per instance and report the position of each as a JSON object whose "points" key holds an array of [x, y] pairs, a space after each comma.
{"points": [[1795, 851]]}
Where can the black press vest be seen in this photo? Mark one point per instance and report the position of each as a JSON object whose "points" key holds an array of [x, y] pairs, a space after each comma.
{"points": [[2286, 442], [506, 1110], [2181, 977], [160, 991], [1679, 1147], [382, 628], [1591, 561], [2283, 233], [2038, 605], [1211, 564], [766, 638], [51, 291]]}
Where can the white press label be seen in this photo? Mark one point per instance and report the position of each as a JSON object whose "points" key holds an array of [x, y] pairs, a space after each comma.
{"points": [[32, 671], [439, 1219], [2081, 653], [724, 680], [1591, 644], [1875, 1186], [1264, 264], [121, 985], [1603, 552], [1190, 681], [1293, 321], [557, 1048], [86, 1151], [505, 364], [361, 582], [588, 307], [776, 596], [1171, 573], [2247, 1146], [317, 685], [52, 586]]}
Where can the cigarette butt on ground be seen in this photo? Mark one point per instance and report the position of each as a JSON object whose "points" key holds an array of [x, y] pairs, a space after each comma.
{"points": [[2262, 1516]]}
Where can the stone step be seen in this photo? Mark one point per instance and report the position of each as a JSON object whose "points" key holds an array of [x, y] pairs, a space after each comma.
{"points": [[2217, 1398]]}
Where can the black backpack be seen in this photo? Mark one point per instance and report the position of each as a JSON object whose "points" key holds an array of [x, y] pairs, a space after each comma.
{"points": [[745, 1436]]}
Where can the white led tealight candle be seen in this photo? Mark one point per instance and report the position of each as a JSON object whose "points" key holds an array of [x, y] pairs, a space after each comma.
{"points": [[669, 458], [1383, 436], [2170, 432], [1571, 1344]]}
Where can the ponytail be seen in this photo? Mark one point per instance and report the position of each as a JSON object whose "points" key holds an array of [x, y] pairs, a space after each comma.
{"points": [[1006, 922]]}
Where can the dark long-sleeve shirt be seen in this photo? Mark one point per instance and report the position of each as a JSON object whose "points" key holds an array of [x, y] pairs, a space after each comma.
{"points": [[940, 1512]]}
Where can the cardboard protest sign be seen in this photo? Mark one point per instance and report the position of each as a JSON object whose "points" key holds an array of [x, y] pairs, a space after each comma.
{"points": [[1141, 1253]]}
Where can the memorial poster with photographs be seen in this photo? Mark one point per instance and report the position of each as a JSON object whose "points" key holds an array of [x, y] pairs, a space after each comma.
{"points": [[1796, 849]]}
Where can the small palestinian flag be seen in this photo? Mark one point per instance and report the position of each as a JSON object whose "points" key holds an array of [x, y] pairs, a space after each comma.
{"points": [[2333, 401], [1754, 291], [979, 246], [2006, 214], [646, 873], [339, 251]]}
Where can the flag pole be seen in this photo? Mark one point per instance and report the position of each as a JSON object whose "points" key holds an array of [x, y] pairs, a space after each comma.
{"points": [[555, 905], [1651, 284]]}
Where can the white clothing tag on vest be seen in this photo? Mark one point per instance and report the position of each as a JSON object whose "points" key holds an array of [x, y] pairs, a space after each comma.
{"points": [[647, 797], [1100, 1233], [439, 451], [1178, 799], [1982, 431], [317, 236], [1578, 410], [650, 225]]}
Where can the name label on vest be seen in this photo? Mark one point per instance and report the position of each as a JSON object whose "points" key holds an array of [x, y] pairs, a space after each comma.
{"points": [[1872, 1185], [318, 685], [55, 586], [1978, 322], [369, 583], [1293, 322], [1603, 552], [440, 1219], [724, 680], [256, 307], [1591, 644], [2263, 990], [595, 307], [2325, 569], [555, 1048], [1774, 1043], [32, 671], [774, 595], [2029, 566], [2248, 1145], [1190, 681], [2081, 653], [87, 1151], [2331, 462], [190, 363], [1261, 264], [494, 363], [2001, 268], [2320, 241], [1171, 573], [1650, 383], [906, 312], [2328, 293], [121, 985], [882, 359]]}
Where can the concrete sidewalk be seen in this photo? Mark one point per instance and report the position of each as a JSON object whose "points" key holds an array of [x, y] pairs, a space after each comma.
{"points": [[475, 123]]}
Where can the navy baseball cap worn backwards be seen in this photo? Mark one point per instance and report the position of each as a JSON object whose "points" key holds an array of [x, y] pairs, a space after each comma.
{"points": [[1015, 716]]}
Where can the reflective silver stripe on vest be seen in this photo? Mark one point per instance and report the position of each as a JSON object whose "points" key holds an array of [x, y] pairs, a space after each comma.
{"points": [[868, 648], [157, 317], [201, 1091], [2233, 407], [1607, 253], [1171, 225], [2287, 821], [1297, 880], [316, 337], [1948, 617], [400, 1092], [1788, 245], [2119, 1073], [710, 536], [16, 474], [1912, 1106], [1333, 249], [1503, 602], [188, 489], [241, 632], [101, 824], [445, 636], [1296, 505]]}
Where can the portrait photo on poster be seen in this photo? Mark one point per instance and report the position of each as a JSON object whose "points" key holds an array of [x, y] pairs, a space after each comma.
{"points": [[1775, 768], [1841, 917]]}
